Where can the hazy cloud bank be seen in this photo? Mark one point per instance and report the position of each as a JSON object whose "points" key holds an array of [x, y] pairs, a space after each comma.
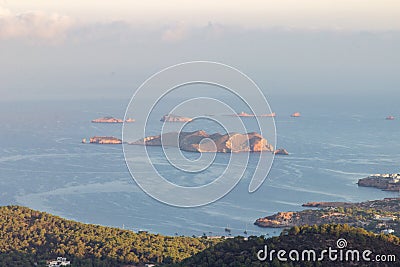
{"points": [[33, 25]]}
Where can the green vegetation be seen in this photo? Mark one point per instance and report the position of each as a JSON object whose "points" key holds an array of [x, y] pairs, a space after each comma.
{"points": [[28, 237], [241, 252]]}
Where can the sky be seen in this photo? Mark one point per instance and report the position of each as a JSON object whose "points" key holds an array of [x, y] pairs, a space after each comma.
{"points": [[83, 49]]}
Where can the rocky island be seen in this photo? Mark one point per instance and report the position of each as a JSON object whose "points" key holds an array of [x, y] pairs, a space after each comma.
{"points": [[281, 151], [377, 215], [273, 114], [388, 182], [174, 118], [130, 120], [296, 114], [244, 114], [111, 120], [200, 141], [105, 140]]}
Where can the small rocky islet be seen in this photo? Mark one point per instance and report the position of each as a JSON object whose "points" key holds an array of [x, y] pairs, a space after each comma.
{"points": [[104, 140], [175, 118], [111, 120]]}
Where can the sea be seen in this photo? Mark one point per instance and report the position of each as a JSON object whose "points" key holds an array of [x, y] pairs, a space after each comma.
{"points": [[337, 140]]}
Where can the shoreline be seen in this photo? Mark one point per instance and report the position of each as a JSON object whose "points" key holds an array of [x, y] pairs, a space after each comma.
{"points": [[378, 216]]}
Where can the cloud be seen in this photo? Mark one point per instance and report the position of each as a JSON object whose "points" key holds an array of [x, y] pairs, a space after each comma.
{"points": [[181, 31], [33, 24], [175, 33]]}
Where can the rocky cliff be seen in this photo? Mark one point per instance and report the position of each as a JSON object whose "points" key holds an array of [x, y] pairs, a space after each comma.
{"points": [[200, 141], [281, 219], [389, 182], [105, 140], [305, 217], [375, 215]]}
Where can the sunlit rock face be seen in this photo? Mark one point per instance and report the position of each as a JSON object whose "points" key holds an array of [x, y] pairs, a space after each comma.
{"points": [[200, 141], [107, 120], [105, 140]]}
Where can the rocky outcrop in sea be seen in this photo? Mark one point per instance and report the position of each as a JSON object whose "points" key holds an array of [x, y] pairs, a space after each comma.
{"points": [[200, 141]]}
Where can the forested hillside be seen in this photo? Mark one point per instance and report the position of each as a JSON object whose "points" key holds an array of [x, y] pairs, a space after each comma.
{"points": [[28, 237], [242, 252]]}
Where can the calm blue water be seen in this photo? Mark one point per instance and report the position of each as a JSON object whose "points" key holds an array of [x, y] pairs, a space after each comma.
{"points": [[44, 166]]}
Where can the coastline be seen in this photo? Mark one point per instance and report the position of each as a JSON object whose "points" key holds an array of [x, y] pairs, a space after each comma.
{"points": [[378, 216]]}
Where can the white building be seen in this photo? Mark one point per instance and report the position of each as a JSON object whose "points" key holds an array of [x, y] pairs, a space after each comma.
{"points": [[59, 262], [387, 231]]}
